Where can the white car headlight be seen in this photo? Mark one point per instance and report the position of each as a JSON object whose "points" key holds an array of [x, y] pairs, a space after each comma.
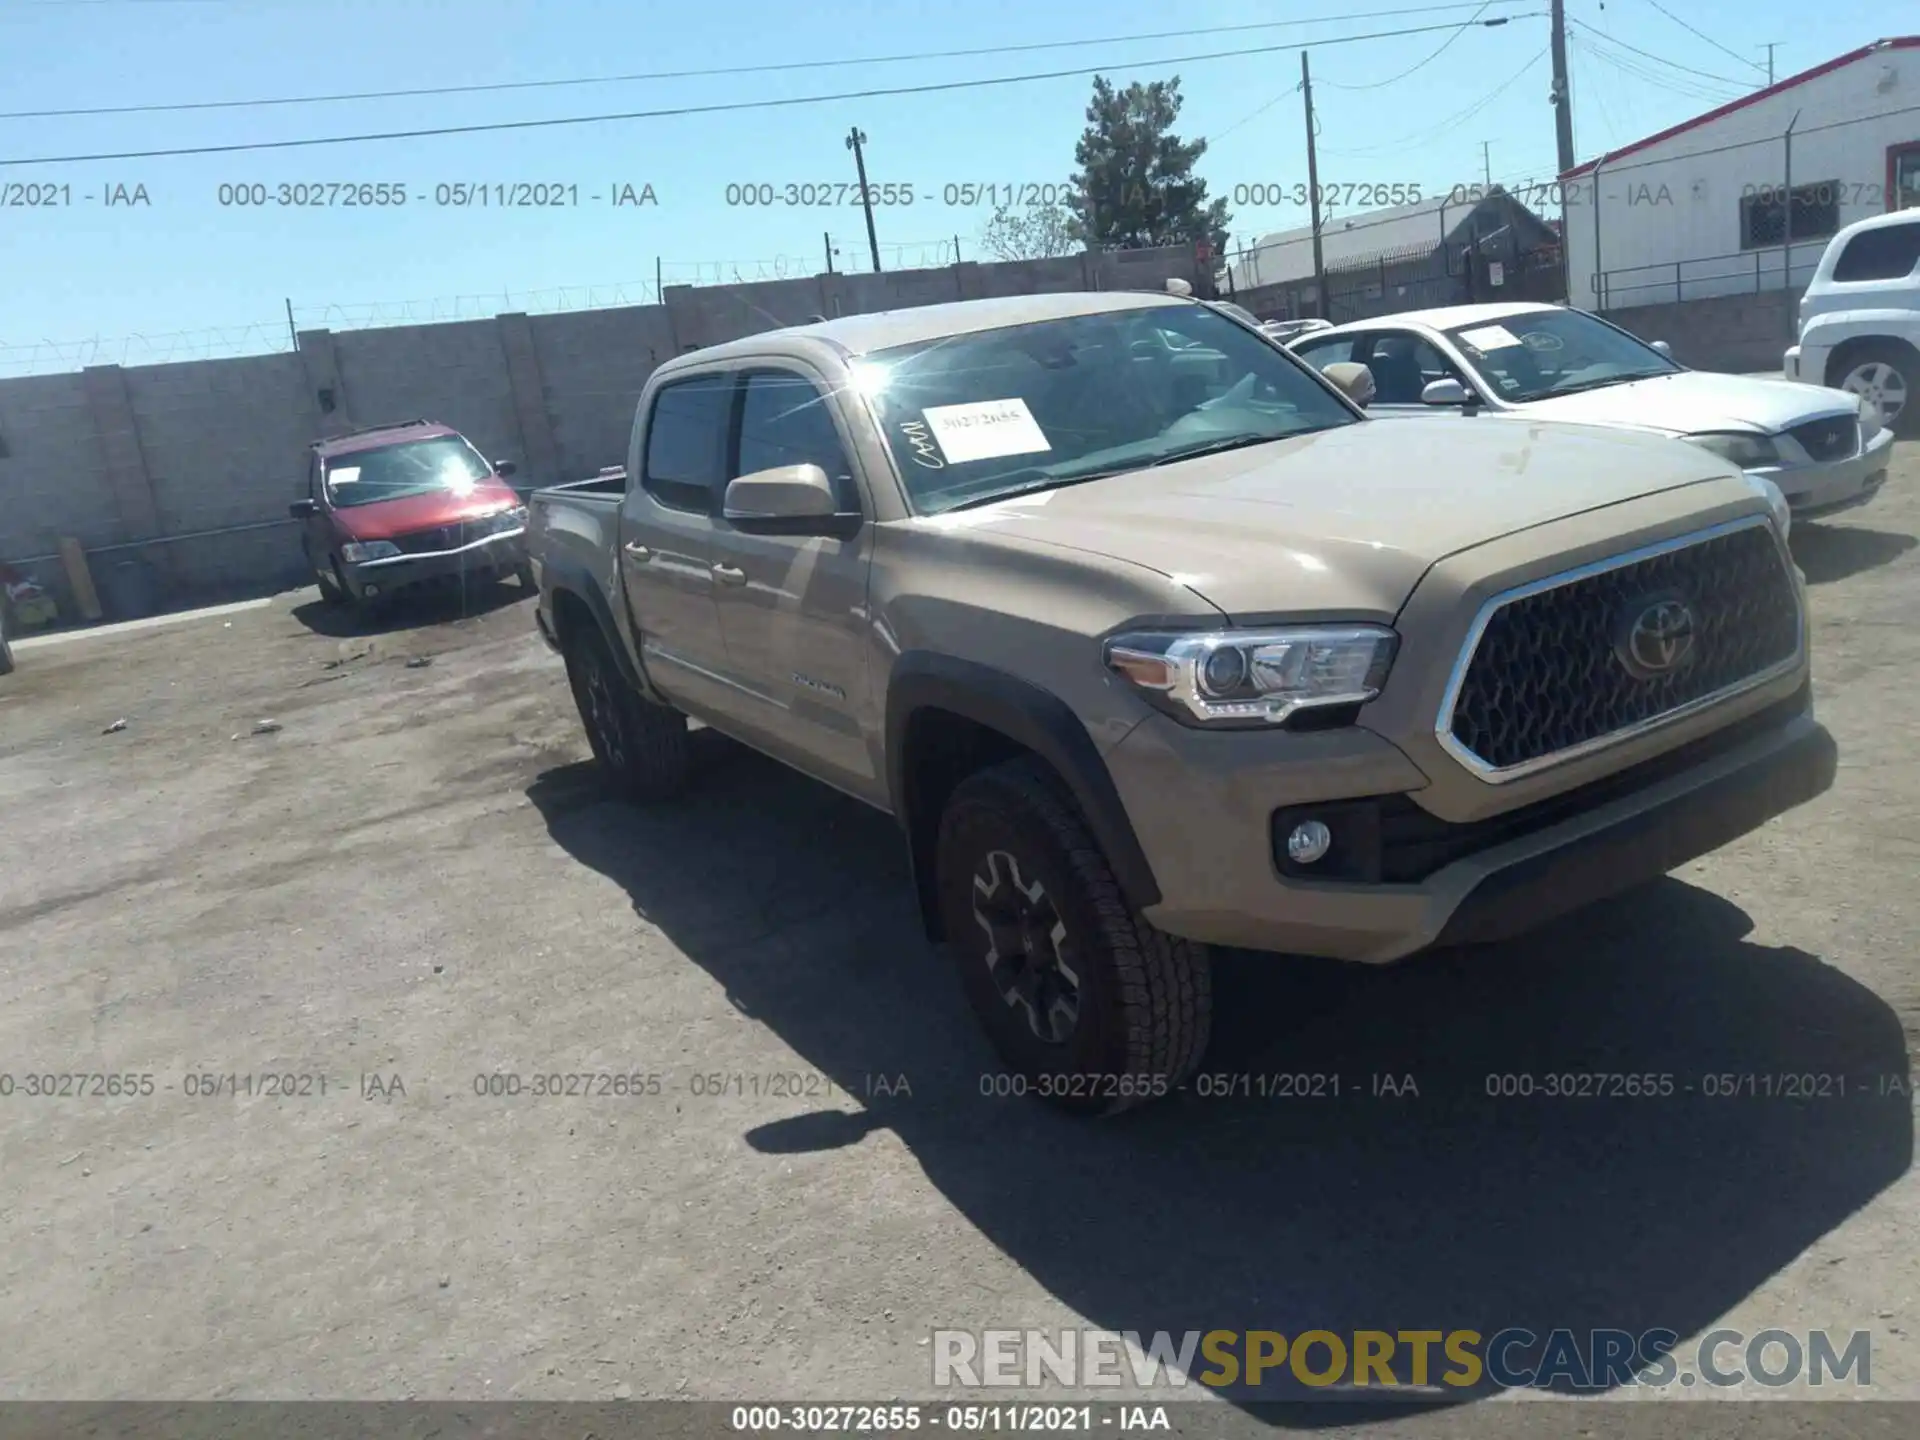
{"points": [[1739, 447], [357, 552], [1776, 502], [1254, 677]]}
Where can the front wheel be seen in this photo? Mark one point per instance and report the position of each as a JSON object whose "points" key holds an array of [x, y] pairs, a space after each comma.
{"points": [[644, 746], [1091, 1007]]}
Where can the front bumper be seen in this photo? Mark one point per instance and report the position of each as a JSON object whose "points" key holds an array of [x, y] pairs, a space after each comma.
{"points": [[1224, 878], [1815, 489], [499, 554]]}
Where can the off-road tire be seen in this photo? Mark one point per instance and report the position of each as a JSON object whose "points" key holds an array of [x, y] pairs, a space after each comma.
{"points": [[1902, 360], [1144, 998], [6, 653], [642, 746]]}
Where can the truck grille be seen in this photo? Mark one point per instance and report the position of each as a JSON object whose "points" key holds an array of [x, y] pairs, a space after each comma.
{"points": [[1607, 651], [1834, 438]]}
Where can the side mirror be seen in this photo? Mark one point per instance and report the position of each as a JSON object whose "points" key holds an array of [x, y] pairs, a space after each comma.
{"points": [[1352, 380], [1664, 348], [786, 500], [506, 467], [302, 509], [1444, 392]]}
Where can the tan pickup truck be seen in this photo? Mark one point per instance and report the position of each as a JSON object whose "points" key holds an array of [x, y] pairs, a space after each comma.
{"points": [[1151, 642]]}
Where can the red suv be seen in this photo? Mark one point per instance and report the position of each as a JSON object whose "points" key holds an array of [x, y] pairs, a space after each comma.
{"points": [[404, 505]]}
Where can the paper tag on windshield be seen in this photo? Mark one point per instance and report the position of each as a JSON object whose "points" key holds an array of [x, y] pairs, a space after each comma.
{"points": [[985, 431], [1490, 337], [343, 475]]}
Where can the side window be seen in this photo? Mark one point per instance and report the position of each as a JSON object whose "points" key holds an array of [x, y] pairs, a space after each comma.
{"points": [[1322, 353], [1889, 253], [784, 420], [686, 444], [1402, 365]]}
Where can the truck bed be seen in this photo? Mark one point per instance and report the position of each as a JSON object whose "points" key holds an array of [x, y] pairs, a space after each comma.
{"points": [[575, 528]]}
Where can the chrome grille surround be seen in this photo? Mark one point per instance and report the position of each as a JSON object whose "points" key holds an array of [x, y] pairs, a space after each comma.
{"points": [[1449, 719]]}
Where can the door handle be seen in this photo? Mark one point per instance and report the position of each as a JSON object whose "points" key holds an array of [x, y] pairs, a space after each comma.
{"points": [[638, 551], [729, 575]]}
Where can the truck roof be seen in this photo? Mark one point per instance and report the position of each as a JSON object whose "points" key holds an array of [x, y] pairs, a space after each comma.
{"points": [[884, 329]]}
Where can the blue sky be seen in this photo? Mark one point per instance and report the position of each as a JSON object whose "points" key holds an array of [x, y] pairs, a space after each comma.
{"points": [[184, 275]]}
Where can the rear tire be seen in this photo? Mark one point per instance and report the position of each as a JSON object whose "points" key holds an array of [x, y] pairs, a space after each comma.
{"points": [[643, 746], [1091, 1007], [1888, 372]]}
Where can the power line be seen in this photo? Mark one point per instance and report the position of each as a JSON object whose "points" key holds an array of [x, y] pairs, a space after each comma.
{"points": [[1660, 59], [1639, 71], [1704, 36], [789, 65], [1440, 127], [718, 108], [1396, 79]]}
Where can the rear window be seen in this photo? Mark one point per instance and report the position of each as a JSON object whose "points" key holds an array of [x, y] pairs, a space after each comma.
{"points": [[1887, 253]]}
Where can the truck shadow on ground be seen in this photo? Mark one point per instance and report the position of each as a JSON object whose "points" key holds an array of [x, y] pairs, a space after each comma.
{"points": [[1447, 1210], [1826, 553], [440, 606]]}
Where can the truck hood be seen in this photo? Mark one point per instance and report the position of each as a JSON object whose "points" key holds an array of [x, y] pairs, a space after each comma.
{"points": [[1343, 523], [1695, 400]]}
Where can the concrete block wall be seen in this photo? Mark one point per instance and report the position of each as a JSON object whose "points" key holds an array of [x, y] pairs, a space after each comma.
{"points": [[139, 464], [1738, 333]]}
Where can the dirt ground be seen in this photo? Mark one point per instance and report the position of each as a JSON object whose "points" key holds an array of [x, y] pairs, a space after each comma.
{"points": [[414, 884]]}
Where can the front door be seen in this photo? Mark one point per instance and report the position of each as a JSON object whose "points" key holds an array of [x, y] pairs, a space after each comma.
{"points": [[793, 608], [666, 538]]}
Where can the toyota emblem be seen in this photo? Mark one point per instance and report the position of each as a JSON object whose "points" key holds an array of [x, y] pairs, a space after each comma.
{"points": [[1655, 637]]}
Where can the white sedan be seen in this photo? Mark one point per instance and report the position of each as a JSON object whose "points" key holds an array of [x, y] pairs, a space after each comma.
{"points": [[1825, 449]]}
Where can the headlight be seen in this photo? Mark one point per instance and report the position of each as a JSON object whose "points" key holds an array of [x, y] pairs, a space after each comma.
{"points": [[1254, 677], [359, 551], [1739, 447], [1776, 502], [1872, 422]]}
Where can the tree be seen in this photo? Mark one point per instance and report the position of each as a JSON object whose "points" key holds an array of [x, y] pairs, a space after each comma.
{"points": [[1136, 185], [1035, 233]]}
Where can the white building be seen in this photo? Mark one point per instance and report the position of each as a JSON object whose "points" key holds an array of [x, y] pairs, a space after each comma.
{"points": [[1700, 209]]}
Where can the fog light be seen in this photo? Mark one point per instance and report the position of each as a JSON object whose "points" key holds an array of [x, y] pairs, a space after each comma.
{"points": [[370, 590], [1308, 841]]}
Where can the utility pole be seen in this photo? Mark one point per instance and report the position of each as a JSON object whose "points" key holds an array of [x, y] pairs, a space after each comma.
{"points": [[826, 238], [855, 139], [292, 333], [1313, 193], [1486, 160], [1770, 45], [1562, 94]]}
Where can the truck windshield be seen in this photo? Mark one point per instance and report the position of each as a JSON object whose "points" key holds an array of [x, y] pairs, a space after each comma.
{"points": [[417, 467], [974, 417], [1538, 354]]}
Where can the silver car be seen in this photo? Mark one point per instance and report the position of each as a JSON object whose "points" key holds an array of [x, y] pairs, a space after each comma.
{"points": [[1824, 449]]}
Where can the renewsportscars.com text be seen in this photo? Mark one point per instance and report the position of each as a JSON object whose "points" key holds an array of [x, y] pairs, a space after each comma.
{"points": [[1423, 1360]]}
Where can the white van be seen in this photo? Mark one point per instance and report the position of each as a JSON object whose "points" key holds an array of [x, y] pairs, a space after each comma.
{"points": [[1860, 318]]}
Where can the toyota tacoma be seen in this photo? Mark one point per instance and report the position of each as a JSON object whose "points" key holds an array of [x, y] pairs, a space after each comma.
{"points": [[1152, 642]]}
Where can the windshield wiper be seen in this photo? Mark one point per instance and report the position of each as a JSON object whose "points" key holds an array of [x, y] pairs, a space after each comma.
{"points": [[1217, 447], [1598, 384], [1032, 487]]}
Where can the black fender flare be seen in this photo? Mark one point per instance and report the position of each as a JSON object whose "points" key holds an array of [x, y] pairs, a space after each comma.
{"points": [[574, 579], [1031, 717]]}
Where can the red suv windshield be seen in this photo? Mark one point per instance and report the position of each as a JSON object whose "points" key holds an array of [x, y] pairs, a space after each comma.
{"points": [[416, 467]]}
